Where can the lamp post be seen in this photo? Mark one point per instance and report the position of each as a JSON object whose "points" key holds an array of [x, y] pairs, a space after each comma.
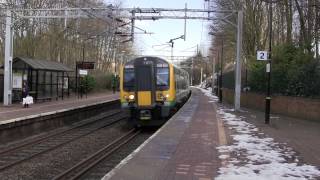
{"points": [[220, 56], [192, 71], [213, 70], [219, 80], [268, 66], [268, 69]]}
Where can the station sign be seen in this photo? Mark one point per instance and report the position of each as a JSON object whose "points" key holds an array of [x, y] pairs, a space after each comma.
{"points": [[85, 65], [83, 72], [262, 55], [17, 81]]}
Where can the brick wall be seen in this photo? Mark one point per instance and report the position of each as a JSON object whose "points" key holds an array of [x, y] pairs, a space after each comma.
{"points": [[303, 108]]}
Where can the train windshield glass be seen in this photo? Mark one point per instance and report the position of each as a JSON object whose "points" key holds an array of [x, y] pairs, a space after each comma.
{"points": [[162, 78], [128, 78]]}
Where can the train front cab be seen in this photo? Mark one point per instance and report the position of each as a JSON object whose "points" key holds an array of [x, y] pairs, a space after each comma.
{"points": [[147, 90]]}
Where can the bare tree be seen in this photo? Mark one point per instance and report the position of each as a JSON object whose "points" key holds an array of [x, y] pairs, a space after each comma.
{"points": [[65, 41]]}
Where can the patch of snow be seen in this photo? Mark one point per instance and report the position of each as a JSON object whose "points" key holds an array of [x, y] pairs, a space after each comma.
{"points": [[257, 156], [224, 156]]}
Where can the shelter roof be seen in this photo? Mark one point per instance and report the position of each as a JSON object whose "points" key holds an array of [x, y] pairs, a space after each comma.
{"points": [[43, 64]]}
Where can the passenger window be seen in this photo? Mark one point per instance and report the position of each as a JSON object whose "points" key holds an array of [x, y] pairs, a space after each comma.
{"points": [[128, 78], [162, 78]]}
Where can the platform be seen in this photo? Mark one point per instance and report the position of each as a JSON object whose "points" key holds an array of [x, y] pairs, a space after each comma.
{"points": [[16, 112], [184, 148], [208, 140]]}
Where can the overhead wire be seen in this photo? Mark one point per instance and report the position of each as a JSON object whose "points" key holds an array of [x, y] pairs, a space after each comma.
{"points": [[144, 43], [16, 19], [113, 18], [189, 48]]}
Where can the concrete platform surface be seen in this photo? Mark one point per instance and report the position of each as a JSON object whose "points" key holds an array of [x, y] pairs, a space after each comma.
{"points": [[184, 148], [209, 140], [17, 111]]}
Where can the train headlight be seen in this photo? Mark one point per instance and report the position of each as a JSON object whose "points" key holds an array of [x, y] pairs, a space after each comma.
{"points": [[167, 96], [131, 97]]}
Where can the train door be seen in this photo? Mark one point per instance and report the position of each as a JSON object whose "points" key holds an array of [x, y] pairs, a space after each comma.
{"points": [[145, 85]]}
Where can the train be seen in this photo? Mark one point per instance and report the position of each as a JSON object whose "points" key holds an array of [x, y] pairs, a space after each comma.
{"points": [[151, 89]]}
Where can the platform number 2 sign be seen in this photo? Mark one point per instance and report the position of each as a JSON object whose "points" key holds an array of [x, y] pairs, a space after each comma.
{"points": [[262, 55]]}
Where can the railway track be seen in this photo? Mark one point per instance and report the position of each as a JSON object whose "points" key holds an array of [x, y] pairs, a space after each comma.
{"points": [[85, 165], [28, 150]]}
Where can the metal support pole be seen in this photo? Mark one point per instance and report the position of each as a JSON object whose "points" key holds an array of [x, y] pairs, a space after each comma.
{"points": [[7, 84], [172, 51], [192, 72], [185, 23], [77, 80], [66, 14], [201, 74], [238, 62], [115, 64], [268, 69], [37, 85], [246, 79], [221, 72], [62, 88], [44, 75], [51, 85], [83, 52], [218, 75], [133, 13], [213, 75], [114, 60]]}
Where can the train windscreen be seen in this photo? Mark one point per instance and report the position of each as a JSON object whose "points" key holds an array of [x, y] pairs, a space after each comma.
{"points": [[128, 80], [162, 78]]}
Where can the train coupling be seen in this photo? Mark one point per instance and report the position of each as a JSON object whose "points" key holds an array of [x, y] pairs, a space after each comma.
{"points": [[145, 114]]}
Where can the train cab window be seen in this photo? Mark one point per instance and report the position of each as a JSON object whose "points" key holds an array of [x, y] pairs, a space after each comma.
{"points": [[162, 78], [128, 79]]}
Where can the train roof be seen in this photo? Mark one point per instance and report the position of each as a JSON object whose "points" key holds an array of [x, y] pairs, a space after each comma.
{"points": [[155, 58], [148, 57]]}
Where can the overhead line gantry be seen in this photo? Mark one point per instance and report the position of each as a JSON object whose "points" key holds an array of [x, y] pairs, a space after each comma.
{"points": [[132, 14]]}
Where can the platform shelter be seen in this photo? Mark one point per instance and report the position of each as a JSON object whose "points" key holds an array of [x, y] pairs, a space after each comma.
{"points": [[46, 80]]}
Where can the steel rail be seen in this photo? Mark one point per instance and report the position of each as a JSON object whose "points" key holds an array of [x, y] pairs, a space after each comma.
{"points": [[97, 157], [58, 145], [56, 134]]}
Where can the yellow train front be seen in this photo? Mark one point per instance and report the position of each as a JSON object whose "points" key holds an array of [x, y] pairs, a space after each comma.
{"points": [[151, 88]]}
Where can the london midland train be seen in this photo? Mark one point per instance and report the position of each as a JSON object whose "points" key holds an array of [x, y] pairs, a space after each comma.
{"points": [[151, 88]]}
